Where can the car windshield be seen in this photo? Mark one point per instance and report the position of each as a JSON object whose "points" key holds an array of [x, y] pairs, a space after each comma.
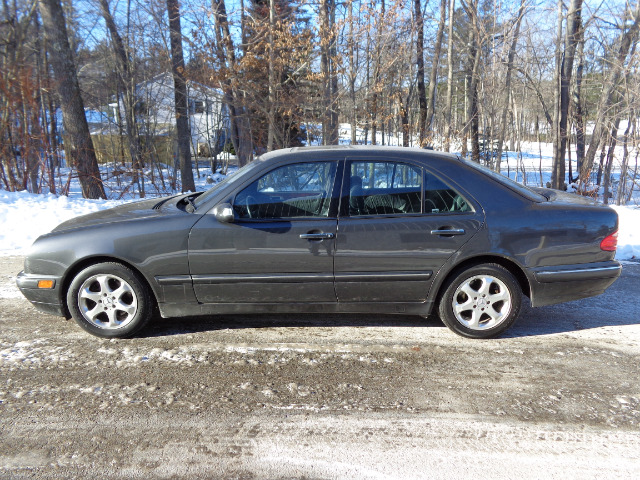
{"points": [[507, 182], [204, 198]]}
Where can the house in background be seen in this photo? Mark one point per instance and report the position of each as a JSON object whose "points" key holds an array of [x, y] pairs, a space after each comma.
{"points": [[208, 115], [155, 114]]}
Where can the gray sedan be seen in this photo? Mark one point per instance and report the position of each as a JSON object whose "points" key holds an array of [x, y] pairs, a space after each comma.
{"points": [[330, 229]]}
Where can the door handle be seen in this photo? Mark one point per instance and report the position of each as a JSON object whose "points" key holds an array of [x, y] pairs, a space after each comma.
{"points": [[448, 231], [316, 236]]}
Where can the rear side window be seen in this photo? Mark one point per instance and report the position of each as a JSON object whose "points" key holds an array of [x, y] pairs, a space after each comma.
{"points": [[441, 198], [507, 182], [384, 188]]}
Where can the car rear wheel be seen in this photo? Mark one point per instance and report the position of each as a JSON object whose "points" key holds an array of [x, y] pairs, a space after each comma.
{"points": [[481, 302], [109, 300]]}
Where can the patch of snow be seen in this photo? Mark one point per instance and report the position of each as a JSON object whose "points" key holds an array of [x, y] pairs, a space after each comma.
{"points": [[9, 291], [26, 216], [628, 233], [8, 287]]}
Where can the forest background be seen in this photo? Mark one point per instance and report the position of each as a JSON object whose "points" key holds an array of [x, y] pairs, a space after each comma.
{"points": [[477, 77]]}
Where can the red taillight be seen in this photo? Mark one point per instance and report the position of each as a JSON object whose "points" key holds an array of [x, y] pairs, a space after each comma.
{"points": [[609, 243]]}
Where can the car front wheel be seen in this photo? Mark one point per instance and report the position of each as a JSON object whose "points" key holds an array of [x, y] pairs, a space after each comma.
{"points": [[109, 300], [481, 302]]}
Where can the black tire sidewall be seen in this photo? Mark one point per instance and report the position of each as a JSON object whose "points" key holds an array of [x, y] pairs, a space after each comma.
{"points": [[145, 305], [445, 309]]}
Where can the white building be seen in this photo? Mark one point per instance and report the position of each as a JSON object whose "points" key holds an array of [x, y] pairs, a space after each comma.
{"points": [[208, 115]]}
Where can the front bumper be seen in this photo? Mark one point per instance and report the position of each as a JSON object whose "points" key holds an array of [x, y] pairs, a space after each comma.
{"points": [[564, 283], [47, 300]]}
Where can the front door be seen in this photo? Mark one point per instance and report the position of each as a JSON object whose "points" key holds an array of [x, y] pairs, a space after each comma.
{"points": [[281, 245], [393, 235]]}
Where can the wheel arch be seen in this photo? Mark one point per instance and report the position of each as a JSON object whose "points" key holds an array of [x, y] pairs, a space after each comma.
{"points": [[77, 267], [516, 270]]}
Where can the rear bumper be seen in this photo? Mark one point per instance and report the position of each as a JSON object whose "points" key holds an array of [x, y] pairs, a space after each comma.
{"points": [[46, 300], [563, 283]]}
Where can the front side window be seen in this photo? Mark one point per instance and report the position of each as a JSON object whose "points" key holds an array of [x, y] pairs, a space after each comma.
{"points": [[384, 188], [441, 198], [290, 191]]}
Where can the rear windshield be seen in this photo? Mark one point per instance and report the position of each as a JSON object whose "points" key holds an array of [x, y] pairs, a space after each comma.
{"points": [[507, 182]]}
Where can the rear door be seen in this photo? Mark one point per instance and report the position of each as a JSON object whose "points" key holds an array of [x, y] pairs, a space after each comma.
{"points": [[398, 224]]}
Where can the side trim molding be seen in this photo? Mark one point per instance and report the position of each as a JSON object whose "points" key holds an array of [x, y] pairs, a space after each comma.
{"points": [[173, 279], [258, 278], [577, 274], [383, 276]]}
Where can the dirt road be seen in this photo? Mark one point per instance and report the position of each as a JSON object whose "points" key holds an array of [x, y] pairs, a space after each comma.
{"points": [[318, 397]]}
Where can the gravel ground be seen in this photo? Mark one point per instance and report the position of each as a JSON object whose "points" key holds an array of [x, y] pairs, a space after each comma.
{"points": [[319, 397]]}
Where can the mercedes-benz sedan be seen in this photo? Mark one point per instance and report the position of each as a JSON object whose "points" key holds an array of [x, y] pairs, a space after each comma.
{"points": [[330, 229]]}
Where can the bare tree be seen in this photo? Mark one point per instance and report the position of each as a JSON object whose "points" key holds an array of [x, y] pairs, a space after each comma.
{"points": [[239, 120], [422, 92], [625, 42], [180, 95], [577, 101], [448, 119], [79, 147], [328, 59], [564, 82], [272, 78], [433, 79], [507, 82], [127, 86], [472, 78]]}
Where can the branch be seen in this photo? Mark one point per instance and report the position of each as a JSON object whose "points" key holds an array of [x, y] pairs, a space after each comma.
{"points": [[538, 93]]}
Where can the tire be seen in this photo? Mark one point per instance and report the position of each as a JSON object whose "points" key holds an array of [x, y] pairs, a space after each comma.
{"points": [[481, 301], [109, 300]]}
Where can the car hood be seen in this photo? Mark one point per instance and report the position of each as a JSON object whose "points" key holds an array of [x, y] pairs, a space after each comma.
{"points": [[121, 213]]}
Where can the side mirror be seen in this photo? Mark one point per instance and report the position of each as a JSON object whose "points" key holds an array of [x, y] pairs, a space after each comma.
{"points": [[224, 213]]}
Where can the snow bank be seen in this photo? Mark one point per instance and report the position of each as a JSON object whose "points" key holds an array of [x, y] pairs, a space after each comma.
{"points": [[25, 216], [628, 233]]}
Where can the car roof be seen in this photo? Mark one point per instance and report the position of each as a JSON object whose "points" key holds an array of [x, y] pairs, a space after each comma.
{"points": [[360, 150]]}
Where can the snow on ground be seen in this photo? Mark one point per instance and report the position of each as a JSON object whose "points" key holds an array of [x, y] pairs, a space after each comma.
{"points": [[25, 216], [628, 233]]}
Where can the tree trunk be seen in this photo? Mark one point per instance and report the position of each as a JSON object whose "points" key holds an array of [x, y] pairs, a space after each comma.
{"points": [[79, 147], [352, 75], [507, 83], [433, 79], [240, 124], [333, 77], [603, 153], [329, 73], [556, 97], [325, 67], [448, 119], [422, 92], [571, 41], [471, 127], [622, 184], [180, 96], [272, 79], [578, 115], [609, 164]]}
